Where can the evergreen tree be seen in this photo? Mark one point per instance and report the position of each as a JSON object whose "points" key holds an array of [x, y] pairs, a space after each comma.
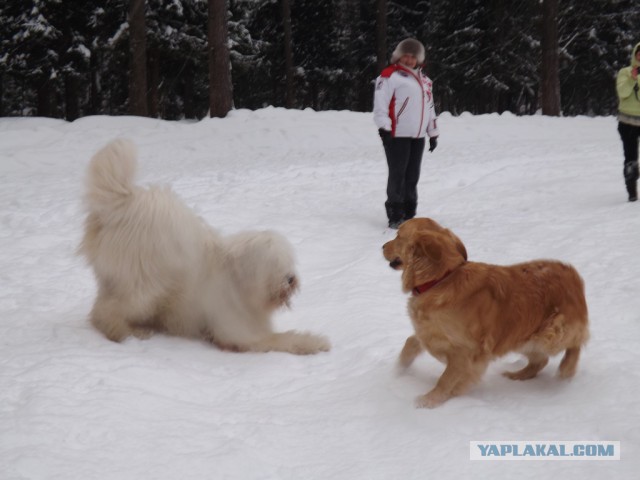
{"points": [[596, 38], [138, 58], [34, 45], [110, 58], [483, 56], [315, 53], [177, 55], [68, 59], [549, 75], [257, 53], [361, 59]]}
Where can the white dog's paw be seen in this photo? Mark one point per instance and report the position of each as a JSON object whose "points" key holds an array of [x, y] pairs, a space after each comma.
{"points": [[306, 343], [142, 333], [298, 343]]}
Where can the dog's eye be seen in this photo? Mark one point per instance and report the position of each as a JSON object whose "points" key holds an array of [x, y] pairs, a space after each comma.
{"points": [[291, 279]]}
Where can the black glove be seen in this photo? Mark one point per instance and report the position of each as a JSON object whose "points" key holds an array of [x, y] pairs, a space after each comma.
{"points": [[385, 135], [433, 143]]}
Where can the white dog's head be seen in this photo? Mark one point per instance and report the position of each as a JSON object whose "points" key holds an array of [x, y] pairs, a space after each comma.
{"points": [[264, 264]]}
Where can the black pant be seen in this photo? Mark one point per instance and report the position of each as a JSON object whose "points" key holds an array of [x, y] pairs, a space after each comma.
{"points": [[629, 135], [404, 157]]}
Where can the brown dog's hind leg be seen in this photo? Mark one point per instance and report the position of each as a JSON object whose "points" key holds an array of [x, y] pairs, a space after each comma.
{"points": [[410, 351], [569, 363], [537, 361]]}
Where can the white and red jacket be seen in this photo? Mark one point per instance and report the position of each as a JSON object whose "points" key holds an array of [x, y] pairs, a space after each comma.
{"points": [[403, 103]]}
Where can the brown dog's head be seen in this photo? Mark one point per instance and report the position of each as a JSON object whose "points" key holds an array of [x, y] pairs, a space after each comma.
{"points": [[424, 251]]}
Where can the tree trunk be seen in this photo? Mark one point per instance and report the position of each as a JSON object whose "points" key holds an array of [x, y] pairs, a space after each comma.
{"points": [[1, 95], [549, 75], [71, 89], [44, 99], [381, 34], [188, 95], [220, 88], [137, 58], [289, 94], [153, 76], [94, 92]]}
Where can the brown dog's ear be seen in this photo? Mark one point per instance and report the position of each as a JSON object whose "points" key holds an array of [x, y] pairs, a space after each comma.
{"points": [[431, 255], [427, 247], [423, 260], [460, 247]]}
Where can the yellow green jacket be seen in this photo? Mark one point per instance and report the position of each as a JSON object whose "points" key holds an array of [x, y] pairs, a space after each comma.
{"points": [[628, 88]]}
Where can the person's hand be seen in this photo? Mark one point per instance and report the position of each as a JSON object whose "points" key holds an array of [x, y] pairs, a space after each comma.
{"points": [[385, 135], [433, 143], [634, 72]]}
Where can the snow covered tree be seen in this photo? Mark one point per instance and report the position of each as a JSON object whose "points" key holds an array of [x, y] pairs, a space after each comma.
{"points": [[381, 34], [596, 38], [68, 59], [483, 55], [177, 58], [549, 74], [48, 56], [287, 40], [138, 58], [315, 55], [110, 58], [257, 53], [33, 41]]}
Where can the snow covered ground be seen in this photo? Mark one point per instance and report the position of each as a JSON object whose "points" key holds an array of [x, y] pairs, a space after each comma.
{"points": [[76, 406]]}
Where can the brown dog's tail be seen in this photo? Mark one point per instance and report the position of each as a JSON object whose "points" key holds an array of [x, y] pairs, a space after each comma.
{"points": [[110, 176]]}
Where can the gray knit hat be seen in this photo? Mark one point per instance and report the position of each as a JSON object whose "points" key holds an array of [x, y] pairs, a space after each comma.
{"points": [[409, 46]]}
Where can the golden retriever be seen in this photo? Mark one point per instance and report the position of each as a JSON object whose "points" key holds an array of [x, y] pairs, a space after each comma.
{"points": [[467, 313], [160, 267]]}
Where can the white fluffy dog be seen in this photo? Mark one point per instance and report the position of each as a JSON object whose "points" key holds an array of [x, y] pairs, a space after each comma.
{"points": [[159, 267]]}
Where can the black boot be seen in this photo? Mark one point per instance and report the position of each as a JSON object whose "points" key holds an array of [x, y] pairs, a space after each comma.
{"points": [[409, 210], [631, 178], [632, 189], [394, 214]]}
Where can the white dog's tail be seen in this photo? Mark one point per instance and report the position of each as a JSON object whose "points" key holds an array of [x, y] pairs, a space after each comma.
{"points": [[110, 176]]}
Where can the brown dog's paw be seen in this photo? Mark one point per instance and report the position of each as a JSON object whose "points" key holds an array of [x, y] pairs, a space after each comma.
{"points": [[536, 363], [432, 399], [519, 375], [400, 369]]}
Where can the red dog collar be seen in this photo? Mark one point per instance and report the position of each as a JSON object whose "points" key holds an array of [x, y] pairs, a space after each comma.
{"points": [[417, 290]]}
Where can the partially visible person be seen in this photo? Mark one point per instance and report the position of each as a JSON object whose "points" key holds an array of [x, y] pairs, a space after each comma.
{"points": [[627, 85], [404, 113]]}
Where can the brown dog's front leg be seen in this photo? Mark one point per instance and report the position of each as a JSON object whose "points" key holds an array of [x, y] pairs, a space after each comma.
{"points": [[410, 351], [461, 372]]}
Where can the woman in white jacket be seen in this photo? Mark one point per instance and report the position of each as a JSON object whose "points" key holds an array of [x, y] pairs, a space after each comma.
{"points": [[404, 112]]}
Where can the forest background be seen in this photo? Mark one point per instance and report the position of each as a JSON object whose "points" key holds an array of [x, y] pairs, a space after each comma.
{"points": [[177, 59]]}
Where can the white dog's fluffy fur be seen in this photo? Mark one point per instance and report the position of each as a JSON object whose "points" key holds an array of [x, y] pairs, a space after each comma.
{"points": [[159, 267]]}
